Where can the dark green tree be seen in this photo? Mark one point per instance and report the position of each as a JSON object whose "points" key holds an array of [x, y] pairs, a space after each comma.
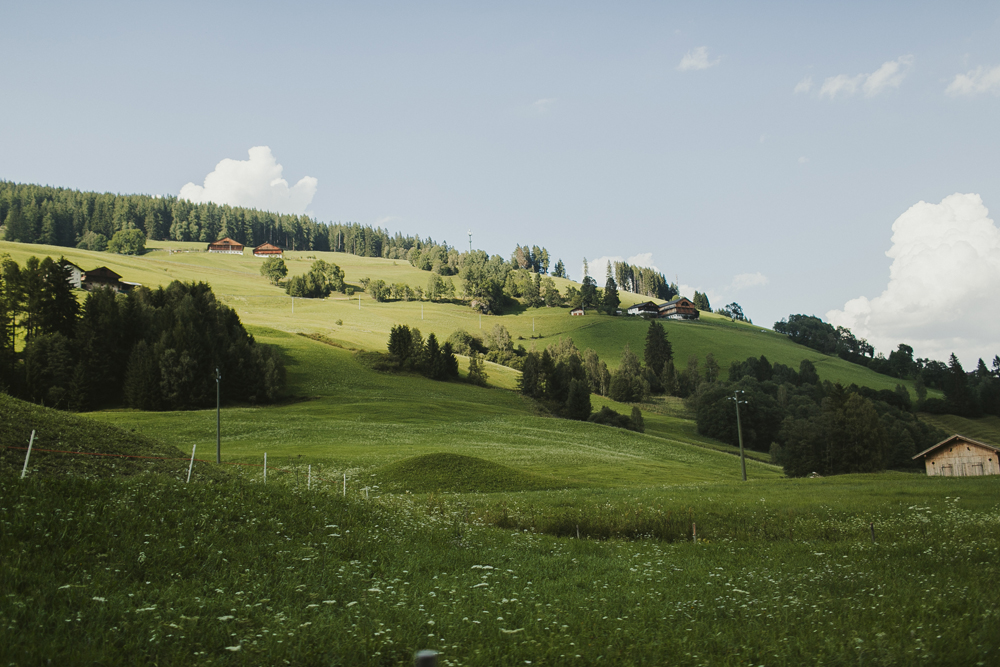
{"points": [[658, 350], [477, 374], [577, 400], [611, 300]]}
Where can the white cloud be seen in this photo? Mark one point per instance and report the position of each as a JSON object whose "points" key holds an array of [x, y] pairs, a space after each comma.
{"points": [[599, 265], [804, 86], [975, 82], [745, 280], [840, 84], [889, 75], [254, 183], [543, 105], [941, 296], [697, 59]]}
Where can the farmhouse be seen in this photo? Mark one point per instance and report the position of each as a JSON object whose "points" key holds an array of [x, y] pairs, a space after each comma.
{"points": [[643, 308], [104, 278], [578, 311], [680, 308], [226, 246], [74, 274], [959, 456], [267, 250]]}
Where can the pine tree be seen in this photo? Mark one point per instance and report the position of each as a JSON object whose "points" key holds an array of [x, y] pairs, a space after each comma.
{"points": [[658, 350], [560, 270], [610, 299], [477, 374], [577, 401]]}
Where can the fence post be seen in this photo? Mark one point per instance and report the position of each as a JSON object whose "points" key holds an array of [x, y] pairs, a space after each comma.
{"points": [[24, 470], [425, 659], [265, 467], [191, 465]]}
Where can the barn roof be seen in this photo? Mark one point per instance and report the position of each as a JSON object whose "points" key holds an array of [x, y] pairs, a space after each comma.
{"points": [[267, 246], [227, 241], [952, 440], [102, 272]]}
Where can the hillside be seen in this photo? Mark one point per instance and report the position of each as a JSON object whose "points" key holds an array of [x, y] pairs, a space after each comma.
{"points": [[351, 418], [68, 444], [237, 282]]}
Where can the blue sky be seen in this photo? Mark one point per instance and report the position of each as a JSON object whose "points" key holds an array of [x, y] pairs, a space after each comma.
{"points": [[673, 134]]}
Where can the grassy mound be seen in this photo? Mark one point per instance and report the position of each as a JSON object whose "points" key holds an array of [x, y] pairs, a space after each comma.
{"points": [[460, 474], [80, 446]]}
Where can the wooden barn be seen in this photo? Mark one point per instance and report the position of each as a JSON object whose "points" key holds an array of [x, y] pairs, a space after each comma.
{"points": [[226, 246], [74, 274], [267, 250], [103, 278], [680, 308], [646, 307], [578, 311], [959, 456]]}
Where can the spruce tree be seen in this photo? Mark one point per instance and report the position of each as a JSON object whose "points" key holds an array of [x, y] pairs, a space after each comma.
{"points": [[578, 400], [611, 300], [658, 349]]}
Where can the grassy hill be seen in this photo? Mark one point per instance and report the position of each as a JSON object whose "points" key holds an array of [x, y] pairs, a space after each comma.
{"points": [[365, 324], [68, 444], [471, 523], [353, 419]]}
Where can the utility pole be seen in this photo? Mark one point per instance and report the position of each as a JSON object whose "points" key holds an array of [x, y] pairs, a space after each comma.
{"points": [[739, 428], [470, 241], [218, 416]]}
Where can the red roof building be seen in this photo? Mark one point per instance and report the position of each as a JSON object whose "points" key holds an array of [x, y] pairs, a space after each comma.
{"points": [[226, 246], [267, 250]]}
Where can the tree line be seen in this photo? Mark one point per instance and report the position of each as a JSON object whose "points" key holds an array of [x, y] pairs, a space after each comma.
{"points": [[973, 394], [149, 349], [810, 425], [65, 217]]}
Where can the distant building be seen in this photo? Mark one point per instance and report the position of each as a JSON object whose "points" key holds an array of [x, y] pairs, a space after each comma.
{"points": [[959, 456], [680, 308], [646, 307], [74, 274], [103, 278], [226, 246], [578, 311], [267, 250]]}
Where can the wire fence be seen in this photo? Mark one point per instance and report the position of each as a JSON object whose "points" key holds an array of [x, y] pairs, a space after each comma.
{"points": [[36, 461]]}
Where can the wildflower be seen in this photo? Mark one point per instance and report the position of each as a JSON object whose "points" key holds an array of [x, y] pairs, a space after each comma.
{"points": [[98, 599], [234, 649], [226, 618]]}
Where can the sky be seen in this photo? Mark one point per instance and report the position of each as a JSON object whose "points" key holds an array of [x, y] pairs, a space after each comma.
{"points": [[838, 160]]}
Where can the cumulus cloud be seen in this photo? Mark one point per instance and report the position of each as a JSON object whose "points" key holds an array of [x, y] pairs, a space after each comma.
{"points": [[941, 296], [697, 59], [745, 280], [889, 75], [975, 82], [254, 183], [804, 86]]}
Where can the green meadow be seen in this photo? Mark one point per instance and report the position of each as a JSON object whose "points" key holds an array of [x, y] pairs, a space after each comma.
{"points": [[471, 523]]}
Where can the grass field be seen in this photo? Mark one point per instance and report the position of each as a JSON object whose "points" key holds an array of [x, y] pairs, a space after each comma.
{"points": [[471, 522]]}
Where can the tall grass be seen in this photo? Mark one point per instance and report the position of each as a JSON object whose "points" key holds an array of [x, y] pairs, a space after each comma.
{"points": [[148, 570]]}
